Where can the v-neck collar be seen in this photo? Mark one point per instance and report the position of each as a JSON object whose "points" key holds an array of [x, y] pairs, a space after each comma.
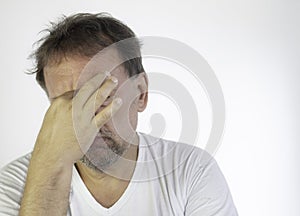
{"points": [[78, 188]]}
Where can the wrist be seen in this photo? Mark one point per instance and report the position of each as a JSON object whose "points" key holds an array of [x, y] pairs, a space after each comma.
{"points": [[50, 161]]}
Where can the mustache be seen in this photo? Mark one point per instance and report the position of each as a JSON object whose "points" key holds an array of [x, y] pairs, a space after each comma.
{"points": [[105, 133]]}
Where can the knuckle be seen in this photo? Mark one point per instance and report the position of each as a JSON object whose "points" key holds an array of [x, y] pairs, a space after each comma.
{"points": [[100, 96], [61, 103], [89, 85], [105, 115], [83, 89]]}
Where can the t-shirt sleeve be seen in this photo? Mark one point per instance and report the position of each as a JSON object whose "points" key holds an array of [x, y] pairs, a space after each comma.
{"points": [[8, 204], [12, 181], [208, 193]]}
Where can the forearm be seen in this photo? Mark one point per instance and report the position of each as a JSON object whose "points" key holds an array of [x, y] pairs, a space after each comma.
{"points": [[47, 187], [57, 148]]}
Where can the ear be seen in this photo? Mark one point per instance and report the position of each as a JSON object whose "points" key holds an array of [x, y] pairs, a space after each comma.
{"points": [[142, 85]]}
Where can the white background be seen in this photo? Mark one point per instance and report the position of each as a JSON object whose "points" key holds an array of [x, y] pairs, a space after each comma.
{"points": [[253, 47]]}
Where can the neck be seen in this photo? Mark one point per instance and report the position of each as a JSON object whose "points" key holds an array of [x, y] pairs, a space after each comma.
{"points": [[107, 187]]}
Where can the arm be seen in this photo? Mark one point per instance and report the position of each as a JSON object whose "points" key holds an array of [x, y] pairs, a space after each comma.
{"points": [[12, 181], [68, 130], [47, 187]]}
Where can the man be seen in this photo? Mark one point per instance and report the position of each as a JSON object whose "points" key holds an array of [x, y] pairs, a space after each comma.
{"points": [[88, 158]]}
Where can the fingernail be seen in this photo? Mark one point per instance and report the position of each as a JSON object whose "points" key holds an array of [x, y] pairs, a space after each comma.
{"points": [[114, 79], [118, 101], [107, 73]]}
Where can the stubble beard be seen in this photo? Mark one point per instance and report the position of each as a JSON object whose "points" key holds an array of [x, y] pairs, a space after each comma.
{"points": [[104, 152]]}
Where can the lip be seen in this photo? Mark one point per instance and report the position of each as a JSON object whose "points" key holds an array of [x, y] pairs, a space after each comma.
{"points": [[103, 137], [101, 142]]}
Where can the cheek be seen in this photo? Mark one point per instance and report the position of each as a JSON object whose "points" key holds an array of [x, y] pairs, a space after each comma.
{"points": [[126, 116], [124, 122], [133, 115]]}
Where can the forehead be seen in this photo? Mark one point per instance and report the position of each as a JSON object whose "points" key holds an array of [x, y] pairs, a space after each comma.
{"points": [[71, 72]]}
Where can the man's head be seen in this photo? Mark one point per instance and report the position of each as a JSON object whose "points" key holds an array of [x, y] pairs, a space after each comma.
{"points": [[85, 35], [66, 57]]}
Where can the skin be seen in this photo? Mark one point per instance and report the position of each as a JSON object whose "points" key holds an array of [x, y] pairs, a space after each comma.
{"points": [[61, 144]]}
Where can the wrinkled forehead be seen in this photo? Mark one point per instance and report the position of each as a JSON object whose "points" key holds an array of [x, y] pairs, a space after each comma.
{"points": [[72, 71]]}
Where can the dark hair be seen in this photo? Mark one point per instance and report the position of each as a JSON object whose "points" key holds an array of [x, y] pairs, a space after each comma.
{"points": [[85, 34]]}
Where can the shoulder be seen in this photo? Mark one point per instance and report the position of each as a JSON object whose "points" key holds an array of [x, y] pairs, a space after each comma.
{"points": [[176, 160], [176, 153], [193, 175], [15, 171], [12, 181]]}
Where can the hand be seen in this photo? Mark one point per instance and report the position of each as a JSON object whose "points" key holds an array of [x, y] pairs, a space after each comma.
{"points": [[70, 124]]}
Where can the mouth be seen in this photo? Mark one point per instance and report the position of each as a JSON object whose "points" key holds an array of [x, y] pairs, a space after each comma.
{"points": [[103, 136], [103, 132], [103, 139]]}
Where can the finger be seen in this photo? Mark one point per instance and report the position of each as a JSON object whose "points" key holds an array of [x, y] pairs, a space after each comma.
{"points": [[99, 96], [104, 115], [84, 93]]}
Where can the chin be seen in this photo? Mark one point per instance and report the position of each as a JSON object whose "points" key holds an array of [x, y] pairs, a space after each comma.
{"points": [[103, 153]]}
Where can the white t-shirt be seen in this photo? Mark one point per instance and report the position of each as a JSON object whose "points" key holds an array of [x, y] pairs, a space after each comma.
{"points": [[169, 179]]}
